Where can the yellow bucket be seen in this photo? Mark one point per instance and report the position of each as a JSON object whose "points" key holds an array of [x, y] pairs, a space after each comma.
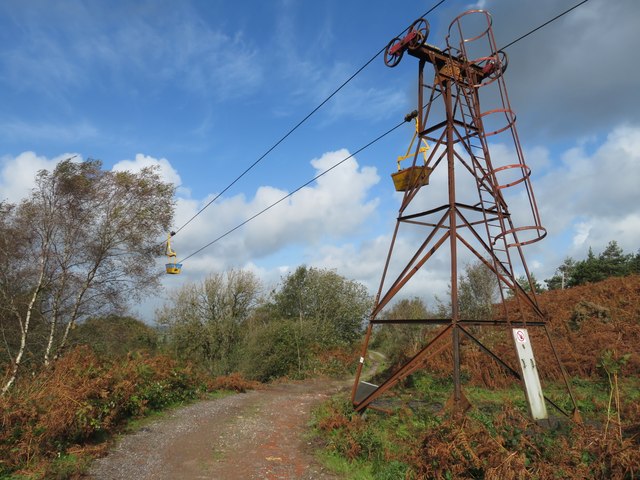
{"points": [[411, 177], [173, 268]]}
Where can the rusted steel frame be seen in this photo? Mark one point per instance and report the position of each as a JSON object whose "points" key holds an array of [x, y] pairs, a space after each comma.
{"points": [[440, 125], [518, 243], [459, 25], [363, 353], [472, 99], [485, 151], [426, 110], [442, 155], [410, 194], [421, 364], [432, 129], [486, 246], [518, 246], [386, 268], [488, 173], [409, 272], [482, 222], [488, 181], [499, 323], [443, 321], [509, 280], [477, 209], [422, 224], [457, 390], [565, 377], [510, 369], [486, 350], [469, 131], [406, 218], [400, 373], [440, 58], [526, 173], [479, 182]]}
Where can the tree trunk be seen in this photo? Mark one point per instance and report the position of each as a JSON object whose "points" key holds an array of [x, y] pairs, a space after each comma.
{"points": [[24, 332], [76, 309]]}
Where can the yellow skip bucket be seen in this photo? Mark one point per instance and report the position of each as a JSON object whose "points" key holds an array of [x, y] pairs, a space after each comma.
{"points": [[411, 177]]}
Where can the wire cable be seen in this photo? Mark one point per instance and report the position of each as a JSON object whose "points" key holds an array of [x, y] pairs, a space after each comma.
{"points": [[350, 156], [380, 137], [543, 25], [294, 128]]}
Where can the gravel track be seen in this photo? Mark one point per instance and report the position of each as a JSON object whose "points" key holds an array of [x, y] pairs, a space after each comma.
{"points": [[253, 435]]}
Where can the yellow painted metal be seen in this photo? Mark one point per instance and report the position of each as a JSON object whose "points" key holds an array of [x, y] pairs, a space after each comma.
{"points": [[415, 175], [172, 268], [411, 177]]}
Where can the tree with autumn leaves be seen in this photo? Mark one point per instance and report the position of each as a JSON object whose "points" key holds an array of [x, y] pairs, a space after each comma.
{"points": [[81, 244]]}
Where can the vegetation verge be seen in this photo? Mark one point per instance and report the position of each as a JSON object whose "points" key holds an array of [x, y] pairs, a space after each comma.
{"points": [[64, 415]]}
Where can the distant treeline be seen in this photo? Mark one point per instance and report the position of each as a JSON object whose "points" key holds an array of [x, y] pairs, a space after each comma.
{"points": [[612, 262]]}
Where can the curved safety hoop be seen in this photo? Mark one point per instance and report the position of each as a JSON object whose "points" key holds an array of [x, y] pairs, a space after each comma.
{"points": [[457, 21], [509, 115], [523, 168], [540, 233]]}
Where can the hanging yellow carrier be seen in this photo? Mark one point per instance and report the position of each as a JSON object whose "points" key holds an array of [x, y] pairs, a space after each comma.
{"points": [[172, 267], [415, 175]]}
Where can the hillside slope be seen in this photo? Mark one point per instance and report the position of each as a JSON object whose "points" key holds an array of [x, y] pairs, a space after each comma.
{"points": [[587, 321]]}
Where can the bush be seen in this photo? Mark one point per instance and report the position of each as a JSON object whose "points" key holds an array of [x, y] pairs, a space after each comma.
{"points": [[279, 348], [115, 336], [80, 399]]}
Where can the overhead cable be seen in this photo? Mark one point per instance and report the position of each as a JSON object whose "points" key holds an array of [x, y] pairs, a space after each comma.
{"points": [[293, 129], [544, 24], [350, 156], [380, 137]]}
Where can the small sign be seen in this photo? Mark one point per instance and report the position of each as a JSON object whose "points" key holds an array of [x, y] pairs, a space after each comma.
{"points": [[529, 370]]}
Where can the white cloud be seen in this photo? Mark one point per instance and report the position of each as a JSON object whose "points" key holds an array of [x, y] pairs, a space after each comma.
{"points": [[581, 234], [167, 172], [17, 174], [599, 188], [336, 206]]}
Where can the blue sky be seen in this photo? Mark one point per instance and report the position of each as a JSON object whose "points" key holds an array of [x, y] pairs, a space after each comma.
{"points": [[204, 88]]}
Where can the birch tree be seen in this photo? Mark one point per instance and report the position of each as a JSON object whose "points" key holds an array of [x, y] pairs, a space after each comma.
{"points": [[95, 236], [204, 321], [25, 259]]}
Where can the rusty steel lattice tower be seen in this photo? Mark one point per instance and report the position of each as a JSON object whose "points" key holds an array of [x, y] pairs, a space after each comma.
{"points": [[465, 205]]}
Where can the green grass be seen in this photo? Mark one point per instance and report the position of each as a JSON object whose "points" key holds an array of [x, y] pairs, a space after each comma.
{"points": [[67, 465], [345, 468]]}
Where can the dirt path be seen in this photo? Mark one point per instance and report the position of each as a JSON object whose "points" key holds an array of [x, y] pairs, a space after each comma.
{"points": [[253, 435]]}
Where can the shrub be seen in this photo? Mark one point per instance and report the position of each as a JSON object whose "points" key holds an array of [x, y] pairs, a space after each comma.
{"points": [[80, 399]]}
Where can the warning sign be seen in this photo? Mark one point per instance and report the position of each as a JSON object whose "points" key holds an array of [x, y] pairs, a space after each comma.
{"points": [[529, 371]]}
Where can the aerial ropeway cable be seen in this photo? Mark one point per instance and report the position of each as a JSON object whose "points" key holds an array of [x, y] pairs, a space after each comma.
{"points": [[269, 207], [176, 267], [294, 128]]}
